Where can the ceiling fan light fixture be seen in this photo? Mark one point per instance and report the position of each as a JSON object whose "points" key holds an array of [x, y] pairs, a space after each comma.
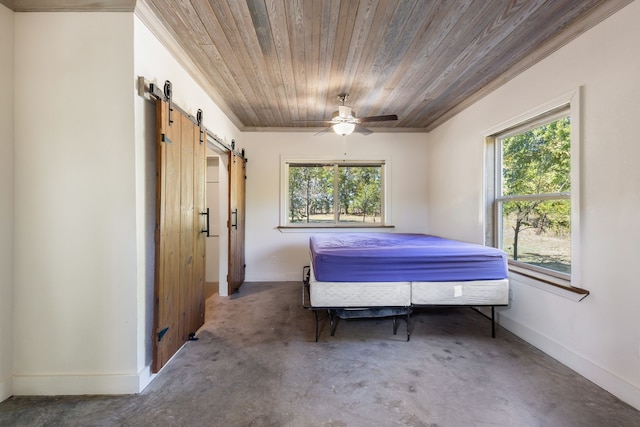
{"points": [[344, 129]]}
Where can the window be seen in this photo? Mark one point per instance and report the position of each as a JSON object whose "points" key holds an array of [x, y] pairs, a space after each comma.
{"points": [[334, 194], [533, 203], [532, 193]]}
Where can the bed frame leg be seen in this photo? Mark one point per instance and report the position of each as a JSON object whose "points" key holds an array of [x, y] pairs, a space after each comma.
{"points": [[317, 332], [395, 325], [332, 323], [493, 321]]}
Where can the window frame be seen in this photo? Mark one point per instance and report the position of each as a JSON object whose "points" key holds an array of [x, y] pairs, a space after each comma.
{"points": [[284, 192], [565, 105], [499, 199]]}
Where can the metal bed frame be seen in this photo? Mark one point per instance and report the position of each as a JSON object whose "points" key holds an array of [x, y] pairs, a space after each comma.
{"points": [[351, 312], [383, 311]]}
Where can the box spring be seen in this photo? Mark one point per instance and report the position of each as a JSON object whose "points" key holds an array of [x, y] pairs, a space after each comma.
{"points": [[358, 294], [477, 292]]}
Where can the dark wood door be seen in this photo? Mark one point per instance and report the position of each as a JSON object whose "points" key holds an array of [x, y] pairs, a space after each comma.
{"points": [[237, 177], [180, 244]]}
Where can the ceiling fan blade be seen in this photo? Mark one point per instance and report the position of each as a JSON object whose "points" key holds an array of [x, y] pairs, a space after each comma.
{"points": [[361, 129], [378, 118], [323, 131]]}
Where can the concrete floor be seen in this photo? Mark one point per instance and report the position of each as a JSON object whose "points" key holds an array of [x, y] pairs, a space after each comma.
{"points": [[256, 364]]}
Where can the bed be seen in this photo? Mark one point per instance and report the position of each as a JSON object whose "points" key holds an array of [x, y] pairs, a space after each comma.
{"points": [[389, 274]]}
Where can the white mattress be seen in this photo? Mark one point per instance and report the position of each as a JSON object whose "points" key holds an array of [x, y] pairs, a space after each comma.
{"points": [[478, 292], [359, 294]]}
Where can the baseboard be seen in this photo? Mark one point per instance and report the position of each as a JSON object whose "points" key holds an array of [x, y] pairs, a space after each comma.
{"points": [[144, 378], [6, 387], [613, 384], [51, 385], [275, 277]]}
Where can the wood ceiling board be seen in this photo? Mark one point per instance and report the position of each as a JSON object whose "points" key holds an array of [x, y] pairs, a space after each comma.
{"points": [[273, 64]]}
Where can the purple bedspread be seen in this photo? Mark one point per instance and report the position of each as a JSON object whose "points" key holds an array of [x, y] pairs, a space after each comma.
{"points": [[395, 257]]}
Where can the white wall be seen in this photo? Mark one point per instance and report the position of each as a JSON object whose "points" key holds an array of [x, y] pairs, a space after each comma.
{"points": [[600, 336], [75, 222], [6, 202], [408, 202]]}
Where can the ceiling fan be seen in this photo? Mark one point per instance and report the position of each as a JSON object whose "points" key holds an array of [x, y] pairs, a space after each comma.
{"points": [[344, 121]]}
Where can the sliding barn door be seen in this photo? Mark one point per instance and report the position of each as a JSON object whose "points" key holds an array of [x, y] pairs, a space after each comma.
{"points": [[237, 177], [180, 243]]}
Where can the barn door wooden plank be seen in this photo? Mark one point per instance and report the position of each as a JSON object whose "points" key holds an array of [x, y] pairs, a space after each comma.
{"points": [[179, 285], [186, 223], [237, 175], [166, 311], [196, 300]]}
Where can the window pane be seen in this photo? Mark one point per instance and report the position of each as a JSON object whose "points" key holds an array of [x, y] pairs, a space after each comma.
{"points": [[335, 194], [310, 194], [538, 233], [360, 194], [538, 161]]}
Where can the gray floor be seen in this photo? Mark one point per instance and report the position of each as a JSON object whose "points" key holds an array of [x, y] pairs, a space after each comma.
{"points": [[256, 363]]}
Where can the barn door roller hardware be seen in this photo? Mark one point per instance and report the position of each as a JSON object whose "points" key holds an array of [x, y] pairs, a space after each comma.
{"points": [[166, 94], [167, 97], [199, 123]]}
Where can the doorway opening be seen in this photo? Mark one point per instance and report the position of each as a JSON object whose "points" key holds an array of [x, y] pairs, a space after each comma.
{"points": [[212, 278]]}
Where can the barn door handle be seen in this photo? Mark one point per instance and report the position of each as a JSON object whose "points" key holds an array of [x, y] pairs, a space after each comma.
{"points": [[234, 222], [206, 230]]}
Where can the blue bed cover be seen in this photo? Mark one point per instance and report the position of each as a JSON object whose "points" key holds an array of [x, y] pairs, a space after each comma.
{"points": [[400, 257]]}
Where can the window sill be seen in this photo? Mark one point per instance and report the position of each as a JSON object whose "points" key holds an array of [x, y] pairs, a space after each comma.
{"points": [[331, 228], [548, 283]]}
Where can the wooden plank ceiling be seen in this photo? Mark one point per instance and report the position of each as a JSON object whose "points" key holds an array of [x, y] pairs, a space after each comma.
{"points": [[273, 64]]}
